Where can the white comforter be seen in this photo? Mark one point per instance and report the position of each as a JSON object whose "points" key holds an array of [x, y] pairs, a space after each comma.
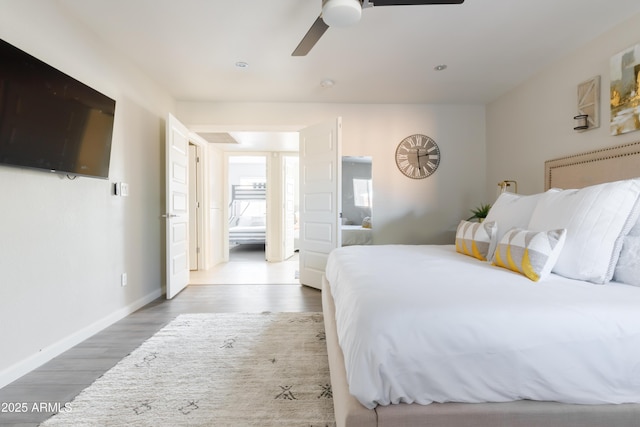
{"points": [[425, 324]]}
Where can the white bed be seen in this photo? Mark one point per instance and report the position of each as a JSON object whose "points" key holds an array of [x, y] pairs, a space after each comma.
{"points": [[247, 234], [408, 326], [247, 210], [356, 235], [484, 334]]}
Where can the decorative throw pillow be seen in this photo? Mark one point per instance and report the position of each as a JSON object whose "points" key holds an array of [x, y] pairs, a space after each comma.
{"points": [[628, 267], [635, 230], [531, 253], [597, 219], [476, 239], [512, 210]]}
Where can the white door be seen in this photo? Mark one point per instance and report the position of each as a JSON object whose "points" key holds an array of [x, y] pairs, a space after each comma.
{"points": [[177, 206], [319, 198], [290, 171]]}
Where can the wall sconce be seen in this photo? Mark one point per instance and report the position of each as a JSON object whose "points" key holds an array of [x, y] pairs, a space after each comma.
{"points": [[507, 183], [581, 122], [588, 105]]}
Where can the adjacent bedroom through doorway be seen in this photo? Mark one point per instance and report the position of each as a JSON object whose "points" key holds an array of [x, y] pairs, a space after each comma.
{"points": [[251, 221]]}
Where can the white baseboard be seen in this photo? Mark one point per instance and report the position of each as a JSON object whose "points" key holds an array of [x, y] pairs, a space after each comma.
{"points": [[38, 359]]}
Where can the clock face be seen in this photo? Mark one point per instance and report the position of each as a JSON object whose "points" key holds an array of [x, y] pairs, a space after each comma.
{"points": [[417, 156]]}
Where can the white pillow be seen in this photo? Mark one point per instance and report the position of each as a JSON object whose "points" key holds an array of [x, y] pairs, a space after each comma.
{"points": [[513, 210], [530, 253], [635, 230], [628, 267], [596, 218], [476, 239]]}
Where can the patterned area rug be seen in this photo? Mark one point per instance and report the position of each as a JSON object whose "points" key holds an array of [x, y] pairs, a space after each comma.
{"points": [[266, 369]]}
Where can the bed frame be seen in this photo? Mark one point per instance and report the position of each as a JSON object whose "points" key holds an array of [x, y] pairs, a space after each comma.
{"points": [[581, 170], [246, 235], [593, 167]]}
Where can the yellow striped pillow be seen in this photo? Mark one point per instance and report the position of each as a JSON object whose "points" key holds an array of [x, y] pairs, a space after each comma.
{"points": [[531, 253], [476, 239]]}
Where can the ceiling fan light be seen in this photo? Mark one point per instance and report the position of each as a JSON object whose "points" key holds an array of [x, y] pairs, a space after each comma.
{"points": [[341, 13]]}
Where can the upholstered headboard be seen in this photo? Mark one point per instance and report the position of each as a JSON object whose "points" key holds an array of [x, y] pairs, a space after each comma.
{"points": [[593, 167]]}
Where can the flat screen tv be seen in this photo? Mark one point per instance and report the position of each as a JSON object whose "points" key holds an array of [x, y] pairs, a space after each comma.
{"points": [[51, 121]]}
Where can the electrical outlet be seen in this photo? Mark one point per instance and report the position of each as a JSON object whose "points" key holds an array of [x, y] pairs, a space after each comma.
{"points": [[123, 279]]}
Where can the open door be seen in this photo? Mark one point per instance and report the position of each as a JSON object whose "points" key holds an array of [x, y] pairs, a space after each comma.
{"points": [[320, 199], [177, 206]]}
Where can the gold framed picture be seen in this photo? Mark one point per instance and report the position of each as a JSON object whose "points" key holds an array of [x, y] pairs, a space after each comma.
{"points": [[625, 91]]}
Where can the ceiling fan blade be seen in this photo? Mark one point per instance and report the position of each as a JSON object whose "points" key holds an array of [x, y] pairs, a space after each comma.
{"points": [[311, 38], [412, 2]]}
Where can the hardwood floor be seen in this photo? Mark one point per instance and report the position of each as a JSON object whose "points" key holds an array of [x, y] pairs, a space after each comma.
{"points": [[247, 266], [61, 379]]}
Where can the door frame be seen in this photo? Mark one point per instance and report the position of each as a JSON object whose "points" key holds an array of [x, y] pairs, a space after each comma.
{"points": [[202, 215], [227, 197], [212, 176], [286, 241]]}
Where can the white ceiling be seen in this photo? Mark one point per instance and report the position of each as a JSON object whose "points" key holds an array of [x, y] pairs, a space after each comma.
{"points": [[190, 47]]}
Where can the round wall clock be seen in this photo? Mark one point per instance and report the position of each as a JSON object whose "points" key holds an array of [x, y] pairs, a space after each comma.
{"points": [[417, 156]]}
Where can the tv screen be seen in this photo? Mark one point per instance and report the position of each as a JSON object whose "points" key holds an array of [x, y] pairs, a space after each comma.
{"points": [[51, 121]]}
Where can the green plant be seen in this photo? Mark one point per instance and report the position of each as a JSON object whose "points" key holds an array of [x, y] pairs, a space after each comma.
{"points": [[480, 212]]}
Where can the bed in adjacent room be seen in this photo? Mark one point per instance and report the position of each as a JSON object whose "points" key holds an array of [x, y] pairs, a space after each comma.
{"points": [[247, 220], [356, 235], [531, 319]]}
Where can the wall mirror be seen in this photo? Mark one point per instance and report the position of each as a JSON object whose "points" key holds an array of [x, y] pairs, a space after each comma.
{"points": [[357, 200]]}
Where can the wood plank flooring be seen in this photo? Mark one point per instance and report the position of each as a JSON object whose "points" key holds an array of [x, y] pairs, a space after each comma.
{"points": [[247, 266], [61, 379]]}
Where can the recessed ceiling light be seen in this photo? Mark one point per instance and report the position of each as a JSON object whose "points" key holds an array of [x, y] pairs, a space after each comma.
{"points": [[242, 64], [440, 67], [327, 83]]}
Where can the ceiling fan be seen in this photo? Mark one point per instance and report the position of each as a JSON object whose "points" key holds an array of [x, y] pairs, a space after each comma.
{"points": [[343, 13]]}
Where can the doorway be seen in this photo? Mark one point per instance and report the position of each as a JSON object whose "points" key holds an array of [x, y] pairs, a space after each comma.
{"points": [[257, 196], [247, 207], [252, 195]]}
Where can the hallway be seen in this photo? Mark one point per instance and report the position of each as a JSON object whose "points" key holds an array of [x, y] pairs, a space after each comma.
{"points": [[247, 266]]}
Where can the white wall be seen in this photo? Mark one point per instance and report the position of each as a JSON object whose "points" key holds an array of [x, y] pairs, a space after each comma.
{"points": [[405, 210], [238, 170], [217, 245], [65, 243], [534, 122]]}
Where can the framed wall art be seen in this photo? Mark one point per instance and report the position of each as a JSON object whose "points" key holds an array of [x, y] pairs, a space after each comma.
{"points": [[589, 101], [625, 91]]}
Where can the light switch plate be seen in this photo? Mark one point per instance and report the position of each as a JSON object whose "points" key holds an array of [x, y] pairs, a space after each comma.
{"points": [[121, 189]]}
